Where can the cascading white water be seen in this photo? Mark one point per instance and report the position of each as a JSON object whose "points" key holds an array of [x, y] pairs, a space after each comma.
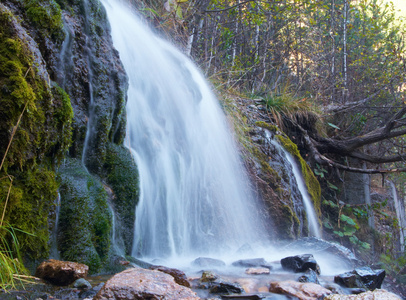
{"points": [[312, 220], [194, 195], [311, 214]]}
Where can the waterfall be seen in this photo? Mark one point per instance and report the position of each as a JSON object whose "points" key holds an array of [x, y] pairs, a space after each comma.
{"points": [[296, 177], [194, 197]]}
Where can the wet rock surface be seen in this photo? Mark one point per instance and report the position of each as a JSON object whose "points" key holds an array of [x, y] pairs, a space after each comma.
{"points": [[208, 276], [205, 262], [82, 284], [300, 263], [363, 277], [309, 276], [178, 275], [140, 283], [61, 273], [223, 287], [305, 291]]}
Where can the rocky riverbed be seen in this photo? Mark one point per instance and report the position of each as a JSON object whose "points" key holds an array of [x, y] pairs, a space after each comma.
{"points": [[299, 276]]}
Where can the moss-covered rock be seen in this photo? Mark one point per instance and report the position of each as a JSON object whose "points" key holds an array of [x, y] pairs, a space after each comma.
{"points": [[35, 120], [46, 16], [60, 73], [84, 229], [122, 176]]}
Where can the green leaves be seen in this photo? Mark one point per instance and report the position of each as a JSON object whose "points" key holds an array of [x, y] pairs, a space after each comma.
{"points": [[348, 220]]}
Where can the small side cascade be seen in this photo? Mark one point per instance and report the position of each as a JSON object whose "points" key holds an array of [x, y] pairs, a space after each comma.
{"points": [[400, 213], [117, 243], [90, 122], [53, 239], [297, 186]]}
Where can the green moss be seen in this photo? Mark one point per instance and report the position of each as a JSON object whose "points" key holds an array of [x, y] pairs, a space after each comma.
{"points": [[122, 176], [288, 222], [46, 15], [45, 126], [313, 185], [270, 127], [43, 133], [30, 202], [62, 119]]}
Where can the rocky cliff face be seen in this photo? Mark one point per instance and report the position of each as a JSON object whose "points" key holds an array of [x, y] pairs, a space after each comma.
{"points": [[60, 72]]}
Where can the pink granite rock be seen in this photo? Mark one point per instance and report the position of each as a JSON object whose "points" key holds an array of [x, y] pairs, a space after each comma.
{"points": [[140, 284]]}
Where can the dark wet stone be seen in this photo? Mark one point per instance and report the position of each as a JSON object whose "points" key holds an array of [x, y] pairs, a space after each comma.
{"points": [[61, 272], [178, 275], [348, 279], [371, 279], [82, 284], [336, 252], [363, 277], [222, 287], [205, 262], [300, 263], [252, 263], [309, 276]]}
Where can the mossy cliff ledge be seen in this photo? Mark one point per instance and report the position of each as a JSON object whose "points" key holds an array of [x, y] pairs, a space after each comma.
{"points": [[280, 198], [287, 207], [60, 73]]}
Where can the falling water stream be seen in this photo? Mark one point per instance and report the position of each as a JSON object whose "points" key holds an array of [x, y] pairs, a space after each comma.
{"points": [[296, 177], [194, 196]]}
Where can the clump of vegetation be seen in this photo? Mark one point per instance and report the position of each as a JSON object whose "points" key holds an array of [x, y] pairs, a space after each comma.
{"points": [[46, 15], [286, 108]]}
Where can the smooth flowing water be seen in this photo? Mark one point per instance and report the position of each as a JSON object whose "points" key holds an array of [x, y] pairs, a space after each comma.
{"points": [[194, 195]]}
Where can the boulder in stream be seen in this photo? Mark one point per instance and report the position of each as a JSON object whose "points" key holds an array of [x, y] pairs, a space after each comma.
{"points": [[300, 263], [223, 287], [363, 277], [205, 262], [140, 283], [303, 291], [208, 276], [61, 273]]}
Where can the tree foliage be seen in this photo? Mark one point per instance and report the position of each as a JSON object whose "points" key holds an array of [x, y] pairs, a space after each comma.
{"points": [[346, 56]]}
